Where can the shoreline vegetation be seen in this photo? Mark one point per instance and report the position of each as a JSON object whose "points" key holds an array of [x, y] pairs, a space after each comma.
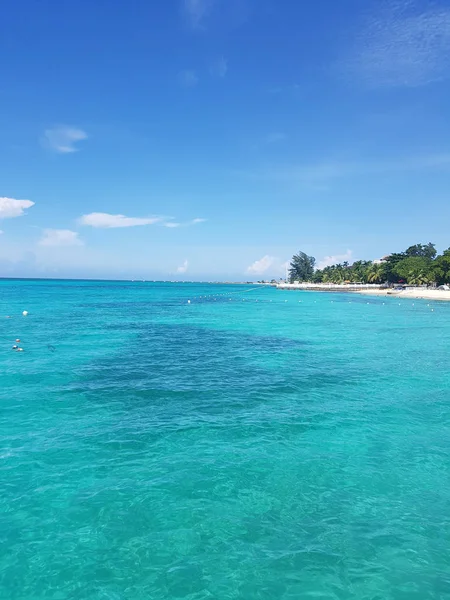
{"points": [[418, 272]]}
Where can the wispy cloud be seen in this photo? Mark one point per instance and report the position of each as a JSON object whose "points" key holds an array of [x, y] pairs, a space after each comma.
{"points": [[324, 172], [220, 68], [402, 44], [60, 237], [172, 224], [183, 268], [196, 12], [10, 207], [200, 14], [261, 266], [327, 261], [108, 221], [175, 224], [62, 139], [188, 78]]}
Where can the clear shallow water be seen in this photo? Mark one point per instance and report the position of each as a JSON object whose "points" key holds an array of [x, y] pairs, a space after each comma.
{"points": [[238, 447]]}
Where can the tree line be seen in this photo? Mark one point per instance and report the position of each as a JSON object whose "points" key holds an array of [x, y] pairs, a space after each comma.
{"points": [[417, 265]]}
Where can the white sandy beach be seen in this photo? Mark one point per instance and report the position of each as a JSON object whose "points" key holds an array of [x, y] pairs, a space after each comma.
{"points": [[368, 289], [417, 293]]}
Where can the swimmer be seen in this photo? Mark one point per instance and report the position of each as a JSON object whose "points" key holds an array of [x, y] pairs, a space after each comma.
{"points": [[18, 341]]}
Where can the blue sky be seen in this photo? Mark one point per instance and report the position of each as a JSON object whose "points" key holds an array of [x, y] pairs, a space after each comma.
{"points": [[211, 139]]}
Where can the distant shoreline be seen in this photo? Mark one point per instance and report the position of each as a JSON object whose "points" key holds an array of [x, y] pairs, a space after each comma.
{"points": [[329, 287], [370, 290]]}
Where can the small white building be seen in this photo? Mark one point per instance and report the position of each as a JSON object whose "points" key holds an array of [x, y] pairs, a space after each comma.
{"points": [[380, 261]]}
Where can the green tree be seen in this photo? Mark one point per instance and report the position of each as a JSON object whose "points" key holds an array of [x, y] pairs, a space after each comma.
{"points": [[341, 273], [415, 270], [441, 268], [376, 273], [360, 271], [424, 250], [302, 267], [327, 274], [391, 264], [318, 276], [427, 251]]}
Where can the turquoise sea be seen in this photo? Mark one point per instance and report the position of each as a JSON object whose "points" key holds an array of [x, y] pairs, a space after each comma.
{"points": [[251, 444]]}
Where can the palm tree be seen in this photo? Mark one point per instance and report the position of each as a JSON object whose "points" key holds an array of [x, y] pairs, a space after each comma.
{"points": [[421, 278], [375, 273]]}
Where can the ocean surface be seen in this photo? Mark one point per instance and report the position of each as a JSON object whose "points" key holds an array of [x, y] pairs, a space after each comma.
{"points": [[252, 444]]}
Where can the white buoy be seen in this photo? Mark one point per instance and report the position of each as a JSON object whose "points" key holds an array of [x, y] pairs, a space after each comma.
{"points": [[189, 301], [25, 312]]}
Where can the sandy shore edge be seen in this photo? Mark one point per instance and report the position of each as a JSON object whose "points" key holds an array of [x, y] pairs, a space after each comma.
{"points": [[417, 294]]}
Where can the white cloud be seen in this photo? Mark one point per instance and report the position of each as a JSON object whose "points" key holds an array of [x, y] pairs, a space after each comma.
{"points": [[184, 267], [259, 267], [9, 207], [60, 237], [62, 139], [285, 266], [188, 78], [174, 224], [196, 11], [402, 44], [327, 261], [107, 221], [220, 68]]}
